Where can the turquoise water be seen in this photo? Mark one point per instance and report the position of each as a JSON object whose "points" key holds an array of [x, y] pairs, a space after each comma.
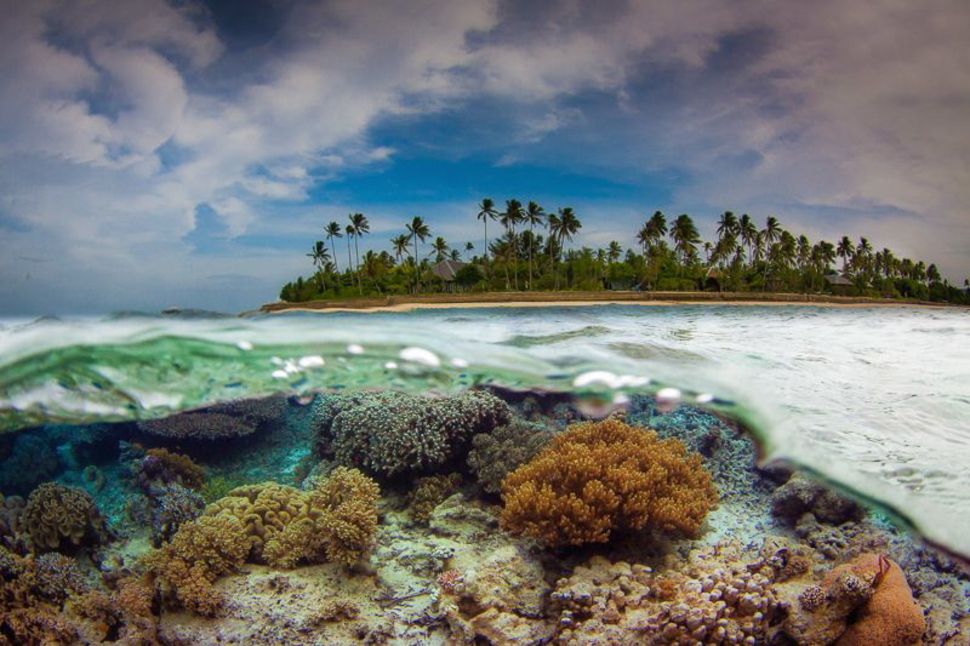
{"points": [[877, 400]]}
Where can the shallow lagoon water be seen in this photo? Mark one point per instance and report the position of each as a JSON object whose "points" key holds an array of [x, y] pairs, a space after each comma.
{"points": [[873, 400], [877, 400]]}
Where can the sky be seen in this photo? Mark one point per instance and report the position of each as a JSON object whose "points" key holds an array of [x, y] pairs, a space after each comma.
{"points": [[188, 153]]}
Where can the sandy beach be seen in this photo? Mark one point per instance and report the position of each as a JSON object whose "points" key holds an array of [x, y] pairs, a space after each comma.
{"points": [[578, 299]]}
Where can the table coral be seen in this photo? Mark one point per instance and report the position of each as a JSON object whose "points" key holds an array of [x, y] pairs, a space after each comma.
{"points": [[202, 425], [61, 518], [597, 478]]}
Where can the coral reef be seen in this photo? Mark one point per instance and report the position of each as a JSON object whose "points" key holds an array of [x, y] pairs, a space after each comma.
{"points": [[495, 455], [200, 426], [27, 459], [430, 492], [220, 421], [719, 598], [161, 467], [864, 601], [173, 506], [200, 552], [267, 523], [334, 522], [389, 433], [598, 478], [59, 518], [800, 495], [11, 507]]}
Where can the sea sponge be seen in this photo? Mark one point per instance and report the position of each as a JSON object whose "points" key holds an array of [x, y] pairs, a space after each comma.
{"points": [[200, 552], [494, 455], [334, 522], [58, 518], [389, 432], [597, 478], [890, 617]]}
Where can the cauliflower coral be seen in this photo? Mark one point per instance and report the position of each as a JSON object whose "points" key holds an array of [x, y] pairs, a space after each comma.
{"points": [[598, 478]]}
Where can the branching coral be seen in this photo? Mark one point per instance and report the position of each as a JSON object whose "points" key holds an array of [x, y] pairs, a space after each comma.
{"points": [[61, 518], [391, 432], [429, 493], [200, 552], [597, 478], [494, 455]]}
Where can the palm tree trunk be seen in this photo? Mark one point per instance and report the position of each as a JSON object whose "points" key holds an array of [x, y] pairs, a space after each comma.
{"points": [[350, 261], [360, 284], [531, 245]]}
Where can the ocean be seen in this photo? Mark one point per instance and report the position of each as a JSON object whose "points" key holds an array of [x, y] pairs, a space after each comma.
{"points": [[871, 402]]}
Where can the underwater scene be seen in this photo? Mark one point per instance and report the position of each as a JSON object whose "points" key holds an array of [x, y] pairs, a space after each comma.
{"points": [[682, 475]]}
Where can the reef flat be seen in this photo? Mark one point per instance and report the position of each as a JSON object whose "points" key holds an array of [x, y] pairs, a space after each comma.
{"points": [[378, 517]]}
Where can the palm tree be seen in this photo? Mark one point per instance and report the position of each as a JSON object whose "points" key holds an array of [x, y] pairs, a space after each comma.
{"points": [[469, 248], [772, 230], [361, 226], [563, 227], [655, 228], [614, 252], [487, 212], [400, 244], [748, 231], [349, 230], [845, 251], [439, 248], [533, 215], [685, 237], [804, 251], [509, 218], [728, 224], [455, 255], [320, 257], [333, 231], [417, 230]]}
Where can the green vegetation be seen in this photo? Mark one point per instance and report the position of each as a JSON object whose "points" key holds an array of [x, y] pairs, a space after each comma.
{"points": [[670, 256]]}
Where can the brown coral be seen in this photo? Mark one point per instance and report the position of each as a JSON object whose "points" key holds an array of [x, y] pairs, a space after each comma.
{"points": [[597, 478], [890, 617], [61, 518], [200, 552], [267, 523], [171, 467], [429, 493], [334, 522]]}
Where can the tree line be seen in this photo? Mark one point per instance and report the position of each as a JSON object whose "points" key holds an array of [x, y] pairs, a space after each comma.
{"points": [[532, 253]]}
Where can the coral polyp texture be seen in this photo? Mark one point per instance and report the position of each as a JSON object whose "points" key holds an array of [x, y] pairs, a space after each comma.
{"points": [[198, 425], [267, 523], [389, 433], [494, 455], [599, 478], [59, 518]]}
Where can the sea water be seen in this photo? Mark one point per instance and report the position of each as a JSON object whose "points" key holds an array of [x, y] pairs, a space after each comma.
{"points": [[874, 400]]}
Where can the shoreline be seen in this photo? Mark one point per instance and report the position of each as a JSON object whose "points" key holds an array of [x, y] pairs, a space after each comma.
{"points": [[576, 299]]}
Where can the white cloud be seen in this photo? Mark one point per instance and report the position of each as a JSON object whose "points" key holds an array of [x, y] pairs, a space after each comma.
{"points": [[94, 97]]}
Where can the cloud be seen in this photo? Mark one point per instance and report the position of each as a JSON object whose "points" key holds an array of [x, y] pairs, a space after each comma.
{"points": [[119, 120]]}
